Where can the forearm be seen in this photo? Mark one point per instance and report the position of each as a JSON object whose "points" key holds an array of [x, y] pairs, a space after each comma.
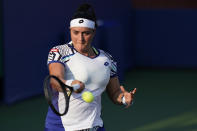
{"points": [[117, 97], [114, 91], [57, 70]]}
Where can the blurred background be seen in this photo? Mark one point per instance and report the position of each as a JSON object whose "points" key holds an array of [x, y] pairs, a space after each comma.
{"points": [[153, 41]]}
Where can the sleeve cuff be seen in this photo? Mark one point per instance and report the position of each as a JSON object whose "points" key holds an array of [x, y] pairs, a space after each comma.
{"points": [[55, 62]]}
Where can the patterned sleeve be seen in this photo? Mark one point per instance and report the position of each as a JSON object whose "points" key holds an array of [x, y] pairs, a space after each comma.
{"points": [[60, 54], [54, 56], [113, 72]]}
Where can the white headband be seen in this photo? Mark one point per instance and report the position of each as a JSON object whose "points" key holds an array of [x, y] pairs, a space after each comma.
{"points": [[81, 22]]}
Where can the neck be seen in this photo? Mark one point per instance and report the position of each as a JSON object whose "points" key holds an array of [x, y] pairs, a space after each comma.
{"points": [[88, 52], [85, 50]]}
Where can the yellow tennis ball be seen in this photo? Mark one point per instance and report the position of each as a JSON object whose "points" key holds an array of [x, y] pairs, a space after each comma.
{"points": [[87, 96]]}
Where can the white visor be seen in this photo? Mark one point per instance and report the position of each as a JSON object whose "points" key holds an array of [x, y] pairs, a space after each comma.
{"points": [[81, 22]]}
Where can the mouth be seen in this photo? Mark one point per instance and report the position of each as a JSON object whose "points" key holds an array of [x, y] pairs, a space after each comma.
{"points": [[81, 42]]}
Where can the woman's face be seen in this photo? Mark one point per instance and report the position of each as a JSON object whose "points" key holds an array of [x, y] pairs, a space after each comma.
{"points": [[82, 37]]}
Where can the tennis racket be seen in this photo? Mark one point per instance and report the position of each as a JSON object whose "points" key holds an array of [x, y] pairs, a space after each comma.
{"points": [[52, 95]]}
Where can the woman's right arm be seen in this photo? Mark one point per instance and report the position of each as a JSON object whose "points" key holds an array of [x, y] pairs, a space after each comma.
{"points": [[57, 69]]}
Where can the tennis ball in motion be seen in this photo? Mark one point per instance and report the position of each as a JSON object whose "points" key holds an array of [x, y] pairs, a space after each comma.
{"points": [[87, 96]]}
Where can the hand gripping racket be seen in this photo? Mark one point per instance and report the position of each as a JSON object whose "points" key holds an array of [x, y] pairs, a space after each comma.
{"points": [[52, 95]]}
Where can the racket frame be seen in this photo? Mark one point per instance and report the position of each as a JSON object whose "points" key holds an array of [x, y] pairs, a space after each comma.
{"points": [[63, 88]]}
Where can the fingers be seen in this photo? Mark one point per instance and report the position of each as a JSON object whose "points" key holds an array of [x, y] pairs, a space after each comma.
{"points": [[78, 86], [128, 99], [129, 96], [129, 104], [133, 91], [122, 88]]}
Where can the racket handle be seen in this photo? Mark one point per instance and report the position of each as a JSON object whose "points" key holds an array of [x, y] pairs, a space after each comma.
{"points": [[76, 87]]}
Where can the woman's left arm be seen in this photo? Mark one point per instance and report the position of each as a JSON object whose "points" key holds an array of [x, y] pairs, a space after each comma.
{"points": [[117, 92]]}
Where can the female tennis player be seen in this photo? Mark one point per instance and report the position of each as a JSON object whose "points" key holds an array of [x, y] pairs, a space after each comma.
{"points": [[78, 62]]}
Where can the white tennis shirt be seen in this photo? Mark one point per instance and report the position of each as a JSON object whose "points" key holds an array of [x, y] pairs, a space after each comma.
{"points": [[95, 73]]}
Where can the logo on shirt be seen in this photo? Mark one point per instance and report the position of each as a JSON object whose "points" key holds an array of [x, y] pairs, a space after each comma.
{"points": [[106, 63]]}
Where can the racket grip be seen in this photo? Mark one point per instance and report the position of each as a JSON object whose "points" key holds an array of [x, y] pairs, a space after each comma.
{"points": [[76, 87]]}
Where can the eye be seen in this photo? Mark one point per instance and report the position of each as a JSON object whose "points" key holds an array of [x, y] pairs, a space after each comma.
{"points": [[87, 33], [75, 32]]}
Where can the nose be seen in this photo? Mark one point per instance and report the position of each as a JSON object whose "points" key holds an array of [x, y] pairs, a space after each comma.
{"points": [[81, 37]]}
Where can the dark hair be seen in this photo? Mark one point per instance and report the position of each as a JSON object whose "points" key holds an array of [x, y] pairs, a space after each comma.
{"points": [[85, 11]]}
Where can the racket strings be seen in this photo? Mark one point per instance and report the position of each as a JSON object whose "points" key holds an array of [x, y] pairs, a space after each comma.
{"points": [[57, 95]]}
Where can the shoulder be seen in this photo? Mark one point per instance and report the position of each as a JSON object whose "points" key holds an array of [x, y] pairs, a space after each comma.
{"points": [[60, 53], [61, 47], [109, 56], [64, 49], [113, 63]]}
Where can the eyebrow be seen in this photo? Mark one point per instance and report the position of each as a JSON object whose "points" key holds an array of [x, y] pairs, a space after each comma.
{"points": [[83, 31]]}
